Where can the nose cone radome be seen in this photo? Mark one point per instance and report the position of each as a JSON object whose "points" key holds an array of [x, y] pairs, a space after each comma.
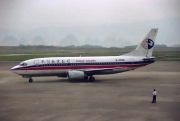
{"points": [[14, 69]]}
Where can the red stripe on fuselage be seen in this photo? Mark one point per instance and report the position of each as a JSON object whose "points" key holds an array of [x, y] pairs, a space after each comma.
{"points": [[81, 67]]}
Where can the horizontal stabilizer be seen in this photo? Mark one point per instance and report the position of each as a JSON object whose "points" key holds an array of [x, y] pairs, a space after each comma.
{"points": [[149, 59]]}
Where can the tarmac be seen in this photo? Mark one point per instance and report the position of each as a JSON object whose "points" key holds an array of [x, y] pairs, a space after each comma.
{"points": [[119, 97]]}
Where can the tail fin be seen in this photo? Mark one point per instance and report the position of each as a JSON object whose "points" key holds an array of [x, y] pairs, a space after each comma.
{"points": [[145, 48]]}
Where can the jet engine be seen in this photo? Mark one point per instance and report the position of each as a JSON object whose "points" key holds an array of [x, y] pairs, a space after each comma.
{"points": [[76, 75]]}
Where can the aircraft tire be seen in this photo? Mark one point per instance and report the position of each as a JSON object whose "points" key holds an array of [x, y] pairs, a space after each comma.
{"points": [[30, 80], [91, 78]]}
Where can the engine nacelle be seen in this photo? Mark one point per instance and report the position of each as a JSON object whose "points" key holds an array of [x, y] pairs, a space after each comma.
{"points": [[76, 75]]}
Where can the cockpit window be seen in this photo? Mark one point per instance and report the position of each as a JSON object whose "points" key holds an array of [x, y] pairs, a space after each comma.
{"points": [[23, 64]]}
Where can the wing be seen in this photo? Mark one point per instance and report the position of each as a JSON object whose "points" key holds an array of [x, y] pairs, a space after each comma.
{"points": [[101, 71]]}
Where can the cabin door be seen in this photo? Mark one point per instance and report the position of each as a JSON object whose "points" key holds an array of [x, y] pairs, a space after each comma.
{"points": [[36, 62]]}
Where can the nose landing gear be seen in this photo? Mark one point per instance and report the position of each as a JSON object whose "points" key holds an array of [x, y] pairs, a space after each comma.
{"points": [[30, 80]]}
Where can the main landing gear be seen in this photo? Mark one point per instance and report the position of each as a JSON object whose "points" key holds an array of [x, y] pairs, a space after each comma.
{"points": [[91, 78], [30, 80]]}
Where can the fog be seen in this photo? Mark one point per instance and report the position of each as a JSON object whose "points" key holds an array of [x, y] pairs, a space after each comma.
{"points": [[75, 22]]}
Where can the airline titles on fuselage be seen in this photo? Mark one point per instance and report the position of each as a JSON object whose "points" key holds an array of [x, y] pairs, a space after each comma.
{"points": [[55, 61], [83, 61], [68, 61]]}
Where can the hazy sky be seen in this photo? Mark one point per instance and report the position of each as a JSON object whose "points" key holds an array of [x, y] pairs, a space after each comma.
{"points": [[30, 14]]}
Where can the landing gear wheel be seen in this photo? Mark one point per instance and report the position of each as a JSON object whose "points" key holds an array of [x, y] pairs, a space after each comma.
{"points": [[91, 78], [30, 80]]}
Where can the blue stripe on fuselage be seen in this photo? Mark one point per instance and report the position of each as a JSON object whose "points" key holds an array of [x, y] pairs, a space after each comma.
{"points": [[88, 64]]}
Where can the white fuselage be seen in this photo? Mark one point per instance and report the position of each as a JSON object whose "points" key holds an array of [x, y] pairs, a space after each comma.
{"points": [[59, 66]]}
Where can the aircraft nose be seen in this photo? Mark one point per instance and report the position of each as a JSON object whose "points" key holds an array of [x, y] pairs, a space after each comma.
{"points": [[14, 69]]}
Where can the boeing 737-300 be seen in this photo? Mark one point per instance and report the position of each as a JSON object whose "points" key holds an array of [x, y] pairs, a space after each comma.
{"points": [[85, 67]]}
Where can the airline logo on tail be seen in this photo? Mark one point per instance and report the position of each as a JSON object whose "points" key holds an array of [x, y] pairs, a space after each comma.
{"points": [[147, 44]]}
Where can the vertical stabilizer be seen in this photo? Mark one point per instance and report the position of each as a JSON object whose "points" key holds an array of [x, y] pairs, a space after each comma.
{"points": [[145, 48]]}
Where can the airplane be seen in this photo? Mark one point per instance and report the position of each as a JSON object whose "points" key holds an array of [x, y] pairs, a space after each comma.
{"points": [[75, 68]]}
